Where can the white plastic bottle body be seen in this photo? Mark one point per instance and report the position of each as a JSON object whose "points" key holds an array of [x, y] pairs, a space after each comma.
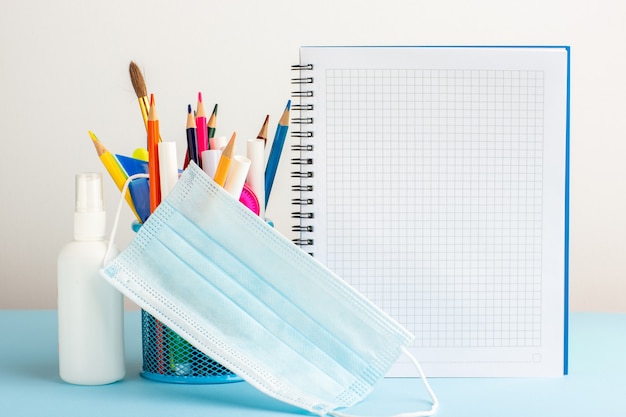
{"points": [[90, 317]]}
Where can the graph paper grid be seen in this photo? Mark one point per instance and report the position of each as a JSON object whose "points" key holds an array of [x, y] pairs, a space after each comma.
{"points": [[434, 199]]}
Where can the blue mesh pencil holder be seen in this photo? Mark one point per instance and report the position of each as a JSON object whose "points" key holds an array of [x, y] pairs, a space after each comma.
{"points": [[167, 357]]}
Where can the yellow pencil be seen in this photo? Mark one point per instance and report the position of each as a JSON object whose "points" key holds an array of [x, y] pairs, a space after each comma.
{"points": [[114, 169], [224, 164]]}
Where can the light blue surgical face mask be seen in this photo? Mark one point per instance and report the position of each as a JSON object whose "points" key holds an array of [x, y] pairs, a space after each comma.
{"points": [[243, 294]]}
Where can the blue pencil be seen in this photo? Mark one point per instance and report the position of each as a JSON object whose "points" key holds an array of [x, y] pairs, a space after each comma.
{"points": [[277, 149]]}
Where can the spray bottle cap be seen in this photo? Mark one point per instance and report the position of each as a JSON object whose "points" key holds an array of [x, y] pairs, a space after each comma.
{"points": [[89, 193], [89, 214]]}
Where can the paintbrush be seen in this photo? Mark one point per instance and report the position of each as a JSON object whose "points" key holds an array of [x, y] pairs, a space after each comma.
{"points": [[139, 85]]}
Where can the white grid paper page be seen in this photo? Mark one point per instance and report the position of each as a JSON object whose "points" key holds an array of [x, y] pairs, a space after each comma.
{"points": [[436, 197]]}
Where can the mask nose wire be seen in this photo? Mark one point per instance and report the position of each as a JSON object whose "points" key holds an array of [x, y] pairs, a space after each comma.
{"points": [[116, 220]]}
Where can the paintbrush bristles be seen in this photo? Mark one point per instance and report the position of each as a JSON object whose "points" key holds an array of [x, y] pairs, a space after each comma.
{"points": [[136, 78]]}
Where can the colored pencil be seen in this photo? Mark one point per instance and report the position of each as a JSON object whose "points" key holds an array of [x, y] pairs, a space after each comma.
{"points": [[275, 152], [192, 144], [201, 130], [263, 132], [154, 183], [224, 165], [115, 170], [212, 123], [153, 158]]}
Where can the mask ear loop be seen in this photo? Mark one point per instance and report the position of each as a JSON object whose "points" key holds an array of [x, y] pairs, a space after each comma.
{"points": [[116, 221], [430, 391]]}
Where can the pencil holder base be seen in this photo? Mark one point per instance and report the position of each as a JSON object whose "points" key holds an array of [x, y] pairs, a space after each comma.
{"points": [[167, 357]]}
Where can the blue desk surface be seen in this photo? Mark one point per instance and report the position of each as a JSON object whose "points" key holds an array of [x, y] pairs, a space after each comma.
{"points": [[30, 385]]}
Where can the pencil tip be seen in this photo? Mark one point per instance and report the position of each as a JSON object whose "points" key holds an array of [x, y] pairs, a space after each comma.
{"points": [[230, 147], [188, 108], [100, 149], [199, 97], [151, 99], [284, 119]]}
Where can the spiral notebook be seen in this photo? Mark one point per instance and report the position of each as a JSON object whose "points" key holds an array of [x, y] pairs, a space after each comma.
{"points": [[435, 181]]}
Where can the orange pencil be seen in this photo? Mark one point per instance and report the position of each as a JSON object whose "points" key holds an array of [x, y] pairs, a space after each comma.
{"points": [[153, 156], [224, 164], [155, 199]]}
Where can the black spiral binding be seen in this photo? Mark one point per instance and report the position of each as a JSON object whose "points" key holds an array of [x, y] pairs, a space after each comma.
{"points": [[302, 132]]}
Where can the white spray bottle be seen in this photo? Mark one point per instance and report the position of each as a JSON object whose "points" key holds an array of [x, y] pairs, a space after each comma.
{"points": [[90, 311]]}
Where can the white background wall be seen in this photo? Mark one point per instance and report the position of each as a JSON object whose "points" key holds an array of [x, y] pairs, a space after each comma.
{"points": [[64, 71]]}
